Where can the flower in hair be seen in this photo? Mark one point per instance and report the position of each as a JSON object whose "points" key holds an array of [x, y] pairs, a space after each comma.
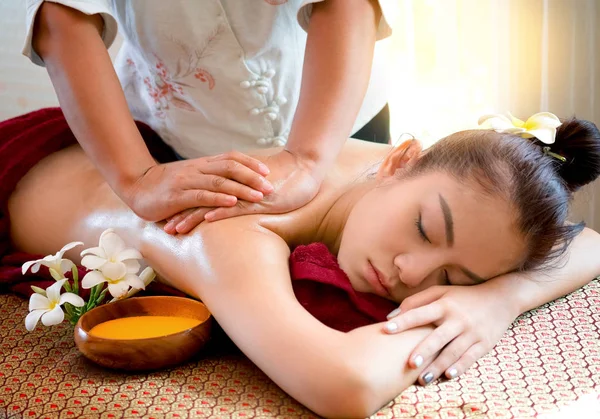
{"points": [[541, 125]]}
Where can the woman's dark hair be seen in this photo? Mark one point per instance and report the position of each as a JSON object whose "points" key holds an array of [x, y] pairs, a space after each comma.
{"points": [[539, 186]]}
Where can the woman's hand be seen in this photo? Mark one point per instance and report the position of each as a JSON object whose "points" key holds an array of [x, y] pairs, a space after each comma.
{"points": [[167, 189], [294, 182], [470, 321]]}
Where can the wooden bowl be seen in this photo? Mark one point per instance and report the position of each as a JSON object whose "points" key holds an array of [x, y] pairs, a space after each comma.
{"points": [[150, 353]]}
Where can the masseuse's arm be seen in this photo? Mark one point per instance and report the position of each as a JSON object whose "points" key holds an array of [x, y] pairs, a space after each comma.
{"points": [[472, 319], [335, 374], [94, 105], [337, 67]]}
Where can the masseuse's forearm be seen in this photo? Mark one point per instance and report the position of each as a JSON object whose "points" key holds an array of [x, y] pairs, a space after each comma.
{"points": [[579, 266], [337, 67], [89, 92]]}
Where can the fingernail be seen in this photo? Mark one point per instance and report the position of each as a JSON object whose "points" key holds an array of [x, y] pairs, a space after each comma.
{"points": [[393, 313], [230, 200], [209, 216], [180, 227], [452, 373], [169, 225], [428, 378], [257, 195], [267, 185], [391, 327], [418, 361], [263, 168]]}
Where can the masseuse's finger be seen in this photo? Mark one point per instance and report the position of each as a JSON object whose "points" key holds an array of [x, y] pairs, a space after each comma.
{"points": [[237, 172], [418, 317], [423, 298], [192, 220], [446, 361], [435, 342], [240, 208], [250, 162], [203, 198], [218, 183], [176, 219]]}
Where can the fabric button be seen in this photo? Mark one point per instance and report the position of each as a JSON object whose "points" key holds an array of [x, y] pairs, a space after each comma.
{"points": [[245, 84], [269, 73], [262, 141], [254, 111]]}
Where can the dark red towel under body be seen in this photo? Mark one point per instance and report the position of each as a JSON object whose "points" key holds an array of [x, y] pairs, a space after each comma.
{"points": [[319, 283]]}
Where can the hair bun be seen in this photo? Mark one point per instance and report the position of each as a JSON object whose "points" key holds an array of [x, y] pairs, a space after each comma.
{"points": [[578, 141]]}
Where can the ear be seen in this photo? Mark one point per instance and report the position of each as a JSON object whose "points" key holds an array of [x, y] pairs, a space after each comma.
{"points": [[401, 157]]}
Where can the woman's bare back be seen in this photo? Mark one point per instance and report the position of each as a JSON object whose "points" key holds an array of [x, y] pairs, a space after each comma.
{"points": [[64, 198]]}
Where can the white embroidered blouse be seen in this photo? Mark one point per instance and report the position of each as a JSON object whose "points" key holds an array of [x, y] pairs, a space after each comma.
{"points": [[214, 75]]}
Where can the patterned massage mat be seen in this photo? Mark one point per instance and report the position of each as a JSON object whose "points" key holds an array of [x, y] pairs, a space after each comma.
{"points": [[546, 365]]}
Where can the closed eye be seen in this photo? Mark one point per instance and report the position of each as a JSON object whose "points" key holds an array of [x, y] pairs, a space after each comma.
{"points": [[446, 277], [421, 230]]}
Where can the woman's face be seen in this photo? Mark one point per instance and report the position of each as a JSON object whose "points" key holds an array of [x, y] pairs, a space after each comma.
{"points": [[411, 234]]}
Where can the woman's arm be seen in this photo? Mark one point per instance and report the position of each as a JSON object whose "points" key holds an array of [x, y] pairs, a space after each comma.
{"points": [[247, 287], [471, 320], [580, 265]]}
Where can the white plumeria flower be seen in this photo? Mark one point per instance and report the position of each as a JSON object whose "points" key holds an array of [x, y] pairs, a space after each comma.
{"points": [[48, 307], [111, 257], [541, 125], [55, 262], [118, 279], [147, 276]]}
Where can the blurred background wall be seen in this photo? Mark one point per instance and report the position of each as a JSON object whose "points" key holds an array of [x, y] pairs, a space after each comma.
{"points": [[449, 62]]}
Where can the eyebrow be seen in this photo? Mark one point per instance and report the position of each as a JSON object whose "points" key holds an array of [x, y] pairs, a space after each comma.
{"points": [[450, 237], [448, 221]]}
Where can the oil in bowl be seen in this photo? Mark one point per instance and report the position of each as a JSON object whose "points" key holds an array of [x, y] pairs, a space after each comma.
{"points": [[144, 333], [142, 327]]}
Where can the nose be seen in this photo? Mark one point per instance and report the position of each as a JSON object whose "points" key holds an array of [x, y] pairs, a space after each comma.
{"points": [[412, 270]]}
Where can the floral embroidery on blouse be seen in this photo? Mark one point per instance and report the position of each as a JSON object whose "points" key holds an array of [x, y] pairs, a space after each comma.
{"points": [[168, 88], [204, 76]]}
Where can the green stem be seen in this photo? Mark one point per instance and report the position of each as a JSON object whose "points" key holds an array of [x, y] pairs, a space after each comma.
{"points": [[102, 296], [91, 298], [75, 274], [69, 312]]}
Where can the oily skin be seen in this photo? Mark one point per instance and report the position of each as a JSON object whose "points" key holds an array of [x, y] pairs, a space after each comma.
{"points": [[370, 220], [468, 235]]}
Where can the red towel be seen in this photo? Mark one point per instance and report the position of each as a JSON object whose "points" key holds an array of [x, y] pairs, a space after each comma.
{"points": [[319, 283]]}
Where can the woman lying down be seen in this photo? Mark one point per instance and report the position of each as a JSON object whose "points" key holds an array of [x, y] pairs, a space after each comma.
{"points": [[466, 236]]}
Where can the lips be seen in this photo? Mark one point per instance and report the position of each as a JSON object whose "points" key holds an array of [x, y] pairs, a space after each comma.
{"points": [[381, 279], [375, 278]]}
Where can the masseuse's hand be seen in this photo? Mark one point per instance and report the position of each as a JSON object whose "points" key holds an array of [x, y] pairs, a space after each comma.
{"points": [[295, 185], [470, 321], [217, 181]]}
